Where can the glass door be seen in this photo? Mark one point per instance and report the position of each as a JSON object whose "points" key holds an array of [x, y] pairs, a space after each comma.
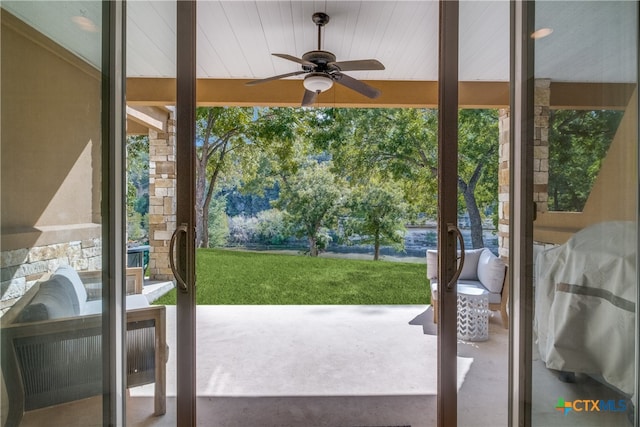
{"points": [[574, 201], [62, 245]]}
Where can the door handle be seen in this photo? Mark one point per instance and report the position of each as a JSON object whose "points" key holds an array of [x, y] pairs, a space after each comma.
{"points": [[453, 229], [181, 229]]}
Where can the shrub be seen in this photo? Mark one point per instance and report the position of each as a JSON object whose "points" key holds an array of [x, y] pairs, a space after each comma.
{"points": [[218, 223], [271, 228], [242, 229]]}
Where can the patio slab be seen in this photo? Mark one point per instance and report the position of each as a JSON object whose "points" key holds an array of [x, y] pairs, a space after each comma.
{"points": [[253, 351]]}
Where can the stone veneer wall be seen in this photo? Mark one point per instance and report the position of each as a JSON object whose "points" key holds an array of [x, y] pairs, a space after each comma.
{"points": [[542, 101], [162, 201], [503, 183], [21, 268], [542, 104]]}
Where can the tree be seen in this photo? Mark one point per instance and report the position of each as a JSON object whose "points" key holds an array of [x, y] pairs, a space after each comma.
{"points": [[228, 143], [377, 212], [401, 145], [578, 143], [311, 200], [218, 222], [137, 187], [219, 131], [478, 165]]}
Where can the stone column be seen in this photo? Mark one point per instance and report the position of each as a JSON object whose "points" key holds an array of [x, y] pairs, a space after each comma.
{"points": [[503, 184], [162, 203], [542, 101], [542, 104]]}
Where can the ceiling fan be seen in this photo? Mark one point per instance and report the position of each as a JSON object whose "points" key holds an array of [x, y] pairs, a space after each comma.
{"points": [[322, 69]]}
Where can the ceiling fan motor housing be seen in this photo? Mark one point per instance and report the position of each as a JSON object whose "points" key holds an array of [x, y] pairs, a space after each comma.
{"points": [[320, 58]]}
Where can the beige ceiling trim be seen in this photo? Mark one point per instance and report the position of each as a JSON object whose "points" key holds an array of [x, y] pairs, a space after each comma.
{"points": [[234, 92], [408, 94], [591, 96]]}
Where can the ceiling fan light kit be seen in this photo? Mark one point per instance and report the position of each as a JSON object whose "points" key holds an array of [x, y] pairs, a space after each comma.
{"points": [[317, 82], [322, 69]]}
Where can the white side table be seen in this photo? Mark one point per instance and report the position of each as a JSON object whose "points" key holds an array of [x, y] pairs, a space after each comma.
{"points": [[473, 314]]}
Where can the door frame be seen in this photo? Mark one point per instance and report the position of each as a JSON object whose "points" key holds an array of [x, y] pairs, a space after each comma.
{"points": [[447, 399], [113, 212], [185, 212], [521, 212]]}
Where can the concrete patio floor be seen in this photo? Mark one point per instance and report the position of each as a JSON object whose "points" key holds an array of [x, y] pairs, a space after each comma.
{"points": [[344, 366], [317, 366]]}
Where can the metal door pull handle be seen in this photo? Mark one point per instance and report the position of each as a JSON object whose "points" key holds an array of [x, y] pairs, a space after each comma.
{"points": [[453, 229], [181, 229]]}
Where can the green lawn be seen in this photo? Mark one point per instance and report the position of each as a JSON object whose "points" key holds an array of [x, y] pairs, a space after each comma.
{"points": [[234, 277]]}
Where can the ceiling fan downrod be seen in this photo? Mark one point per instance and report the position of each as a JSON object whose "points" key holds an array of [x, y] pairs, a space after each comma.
{"points": [[320, 19]]}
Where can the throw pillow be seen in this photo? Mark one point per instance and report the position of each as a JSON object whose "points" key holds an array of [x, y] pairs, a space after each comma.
{"points": [[470, 267], [491, 271]]}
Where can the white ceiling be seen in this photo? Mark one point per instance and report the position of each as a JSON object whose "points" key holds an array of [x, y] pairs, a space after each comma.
{"points": [[236, 38]]}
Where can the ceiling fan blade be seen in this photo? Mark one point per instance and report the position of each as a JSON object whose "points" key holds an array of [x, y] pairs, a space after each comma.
{"points": [[309, 98], [356, 85], [294, 59], [361, 64], [280, 76]]}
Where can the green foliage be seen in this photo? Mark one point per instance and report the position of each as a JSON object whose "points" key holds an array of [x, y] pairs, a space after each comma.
{"points": [[402, 145], [218, 224], [240, 145], [271, 228], [137, 226], [311, 199], [141, 204], [478, 145], [235, 277], [578, 143], [242, 229], [377, 213], [137, 187]]}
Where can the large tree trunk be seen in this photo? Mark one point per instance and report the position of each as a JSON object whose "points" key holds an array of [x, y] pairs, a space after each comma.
{"points": [[201, 213], [477, 240], [376, 248], [313, 246], [468, 192]]}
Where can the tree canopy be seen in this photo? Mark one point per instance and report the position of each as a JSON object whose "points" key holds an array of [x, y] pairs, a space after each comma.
{"points": [[401, 145], [578, 143]]}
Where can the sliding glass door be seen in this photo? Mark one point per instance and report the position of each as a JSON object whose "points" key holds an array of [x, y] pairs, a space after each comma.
{"points": [[62, 213], [574, 202]]}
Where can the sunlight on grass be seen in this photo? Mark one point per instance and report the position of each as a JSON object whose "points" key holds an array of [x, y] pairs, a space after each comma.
{"points": [[235, 277]]}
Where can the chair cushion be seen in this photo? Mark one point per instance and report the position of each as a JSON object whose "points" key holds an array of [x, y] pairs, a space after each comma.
{"points": [[136, 301], [55, 299], [491, 271], [494, 298], [432, 264], [92, 307], [72, 275]]}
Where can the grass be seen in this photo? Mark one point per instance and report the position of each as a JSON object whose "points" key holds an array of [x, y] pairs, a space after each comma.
{"points": [[235, 277]]}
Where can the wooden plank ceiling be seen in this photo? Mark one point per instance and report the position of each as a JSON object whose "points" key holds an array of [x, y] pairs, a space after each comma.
{"points": [[236, 40]]}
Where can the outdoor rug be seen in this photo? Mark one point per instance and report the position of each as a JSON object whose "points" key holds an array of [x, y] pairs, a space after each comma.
{"points": [[254, 351]]}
